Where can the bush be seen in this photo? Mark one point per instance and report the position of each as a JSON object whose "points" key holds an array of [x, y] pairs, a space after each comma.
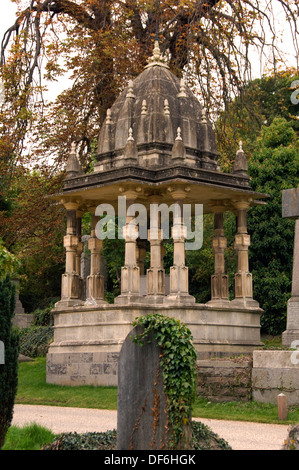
{"points": [[8, 370], [202, 439], [43, 317], [35, 341]]}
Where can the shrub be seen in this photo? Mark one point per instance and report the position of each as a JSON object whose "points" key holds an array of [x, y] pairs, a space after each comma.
{"points": [[202, 439], [8, 370], [35, 341], [43, 317]]}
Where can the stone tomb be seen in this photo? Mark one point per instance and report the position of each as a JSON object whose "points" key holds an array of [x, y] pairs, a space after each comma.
{"points": [[156, 147]]}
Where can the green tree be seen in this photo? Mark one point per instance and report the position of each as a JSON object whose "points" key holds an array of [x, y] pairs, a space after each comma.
{"points": [[258, 103], [8, 370], [273, 167]]}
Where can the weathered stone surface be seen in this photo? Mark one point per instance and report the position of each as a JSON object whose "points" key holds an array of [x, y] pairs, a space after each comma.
{"points": [[275, 372], [290, 209], [224, 380], [141, 413], [292, 441], [290, 203]]}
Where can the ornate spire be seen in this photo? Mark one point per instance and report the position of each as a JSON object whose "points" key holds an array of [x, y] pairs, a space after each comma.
{"points": [[73, 167], [240, 165], [182, 93], [156, 58], [166, 108], [130, 92], [178, 149], [131, 152], [144, 108], [108, 116]]}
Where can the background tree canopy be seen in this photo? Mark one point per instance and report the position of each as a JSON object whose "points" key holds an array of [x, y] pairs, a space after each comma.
{"points": [[99, 45]]}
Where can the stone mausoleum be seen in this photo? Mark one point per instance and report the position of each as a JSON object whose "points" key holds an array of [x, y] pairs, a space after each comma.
{"points": [[156, 147]]}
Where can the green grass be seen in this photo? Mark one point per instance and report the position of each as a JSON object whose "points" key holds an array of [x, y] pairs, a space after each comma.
{"points": [[29, 437], [243, 411], [33, 390]]}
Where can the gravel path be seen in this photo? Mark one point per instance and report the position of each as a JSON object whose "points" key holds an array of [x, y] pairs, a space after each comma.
{"points": [[240, 435]]}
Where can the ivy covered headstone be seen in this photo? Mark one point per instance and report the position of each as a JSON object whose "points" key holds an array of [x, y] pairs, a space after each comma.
{"points": [[156, 384]]}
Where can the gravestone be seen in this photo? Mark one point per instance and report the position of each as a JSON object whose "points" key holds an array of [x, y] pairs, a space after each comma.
{"points": [[142, 405], [290, 209]]}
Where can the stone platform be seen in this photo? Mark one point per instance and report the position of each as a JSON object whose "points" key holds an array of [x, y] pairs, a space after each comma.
{"points": [[87, 341]]}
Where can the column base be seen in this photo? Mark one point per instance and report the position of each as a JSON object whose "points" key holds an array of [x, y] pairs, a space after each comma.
{"points": [[63, 304], [218, 303], [292, 332], [219, 286], [129, 299], [130, 281], [179, 299], [95, 289], [156, 282], [244, 302], [154, 299]]}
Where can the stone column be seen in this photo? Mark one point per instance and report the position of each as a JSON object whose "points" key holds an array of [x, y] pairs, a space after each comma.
{"points": [[179, 284], [243, 278], [95, 281], [140, 256], [70, 287], [79, 251], [130, 272], [290, 209], [156, 273], [219, 280]]}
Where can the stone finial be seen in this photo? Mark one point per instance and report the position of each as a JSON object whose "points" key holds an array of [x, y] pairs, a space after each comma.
{"points": [[73, 167], [108, 117], [204, 116], [130, 138], [130, 92], [241, 165], [131, 152], [156, 58], [166, 108], [182, 93], [178, 149], [143, 108], [179, 137]]}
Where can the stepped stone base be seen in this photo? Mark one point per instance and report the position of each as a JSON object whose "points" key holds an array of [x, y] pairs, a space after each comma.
{"points": [[87, 341]]}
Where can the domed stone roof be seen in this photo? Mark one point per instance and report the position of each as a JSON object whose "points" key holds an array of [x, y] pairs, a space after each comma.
{"points": [[156, 122]]}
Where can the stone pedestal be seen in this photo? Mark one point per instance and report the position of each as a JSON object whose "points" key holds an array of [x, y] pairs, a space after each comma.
{"points": [[243, 278], [130, 272], [87, 340], [179, 282], [292, 332], [219, 280]]}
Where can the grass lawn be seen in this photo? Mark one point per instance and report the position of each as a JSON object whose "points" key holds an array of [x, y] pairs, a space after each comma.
{"points": [[33, 390], [30, 437]]}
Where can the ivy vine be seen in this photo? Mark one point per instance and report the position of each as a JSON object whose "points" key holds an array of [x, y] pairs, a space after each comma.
{"points": [[178, 357]]}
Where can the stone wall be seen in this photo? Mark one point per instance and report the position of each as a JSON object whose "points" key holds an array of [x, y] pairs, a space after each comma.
{"points": [[221, 380], [275, 372], [91, 368], [22, 320]]}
